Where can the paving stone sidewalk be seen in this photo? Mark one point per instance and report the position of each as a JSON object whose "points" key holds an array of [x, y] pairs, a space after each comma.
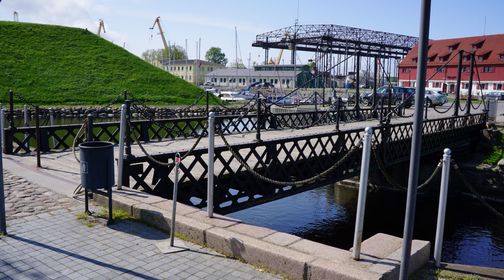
{"points": [[49, 242]]}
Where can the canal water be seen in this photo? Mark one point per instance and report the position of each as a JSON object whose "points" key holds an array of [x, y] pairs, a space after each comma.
{"points": [[473, 235]]}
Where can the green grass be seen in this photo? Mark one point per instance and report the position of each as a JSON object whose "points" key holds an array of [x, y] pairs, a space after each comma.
{"points": [[55, 65], [429, 272], [497, 150]]}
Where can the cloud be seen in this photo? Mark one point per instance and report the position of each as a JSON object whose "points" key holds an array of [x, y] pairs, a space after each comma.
{"points": [[75, 13]]}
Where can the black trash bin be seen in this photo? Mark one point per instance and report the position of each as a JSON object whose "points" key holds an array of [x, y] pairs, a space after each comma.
{"points": [[97, 165]]}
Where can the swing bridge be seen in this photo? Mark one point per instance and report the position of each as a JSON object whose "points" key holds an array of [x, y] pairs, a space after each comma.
{"points": [[259, 156]]}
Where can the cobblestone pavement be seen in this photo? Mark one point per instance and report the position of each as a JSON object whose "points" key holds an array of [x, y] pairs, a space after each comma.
{"points": [[50, 243], [23, 199]]}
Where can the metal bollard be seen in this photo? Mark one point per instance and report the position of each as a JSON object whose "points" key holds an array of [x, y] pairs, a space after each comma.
{"points": [[122, 133], [443, 195], [174, 208], [210, 181], [361, 202]]}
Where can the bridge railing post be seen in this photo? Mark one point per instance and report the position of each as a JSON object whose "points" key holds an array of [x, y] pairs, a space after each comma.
{"points": [[210, 173], [443, 195], [469, 92], [426, 105], [258, 124], [122, 134], [128, 128], [361, 202]]}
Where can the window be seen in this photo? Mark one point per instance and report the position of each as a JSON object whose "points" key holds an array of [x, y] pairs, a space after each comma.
{"points": [[404, 70], [190, 68], [465, 69], [465, 85], [488, 69], [498, 86], [482, 86], [440, 69], [276, 81], [501, 56]]}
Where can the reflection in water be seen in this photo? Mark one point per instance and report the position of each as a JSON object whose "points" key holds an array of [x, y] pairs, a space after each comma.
{"points": [[327, 214]]}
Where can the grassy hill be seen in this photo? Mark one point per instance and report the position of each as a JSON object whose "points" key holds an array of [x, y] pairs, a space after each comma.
{"points": [[56, 65]]}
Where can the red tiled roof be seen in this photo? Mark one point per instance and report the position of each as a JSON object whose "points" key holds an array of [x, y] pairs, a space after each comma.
{"points": [[491, 46], [481, 52]]}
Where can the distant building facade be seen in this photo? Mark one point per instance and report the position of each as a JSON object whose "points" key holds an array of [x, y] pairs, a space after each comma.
{"points": [[489, 58], [280, 76], [192, 70]]}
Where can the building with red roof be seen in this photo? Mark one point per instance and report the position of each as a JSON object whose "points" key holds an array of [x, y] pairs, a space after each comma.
{"points": [[443, 63]]}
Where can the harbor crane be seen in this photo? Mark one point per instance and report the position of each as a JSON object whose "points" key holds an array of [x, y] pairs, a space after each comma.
{"points": [[101, 26], [279, 57], [158, 22]]}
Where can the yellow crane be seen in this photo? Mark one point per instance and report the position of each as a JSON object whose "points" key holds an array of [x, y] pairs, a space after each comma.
{"points": [[101, 26], [158, 22], [279, 57]]}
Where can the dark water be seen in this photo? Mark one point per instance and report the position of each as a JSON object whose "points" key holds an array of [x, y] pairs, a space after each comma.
{"points": [[473, 235]]}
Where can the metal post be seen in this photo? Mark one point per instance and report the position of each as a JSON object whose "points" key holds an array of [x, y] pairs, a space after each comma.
{"points": [[128, 128], [2, 127], [258, 125], [375, 82], [443, 195], [120, 163], [357, 82], [361, 202], [469, 93], [207, 99], [459, 78], [211, 145], [416, 140], [25, 116], [426, 111], [3, 218], [174, 207], [38, 135], [338, 112], [51, 122], [125, 95], [11, 111], [89, 130]]}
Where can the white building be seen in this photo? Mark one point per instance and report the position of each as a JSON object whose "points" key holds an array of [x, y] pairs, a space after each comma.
{"points": [[280, 76]]}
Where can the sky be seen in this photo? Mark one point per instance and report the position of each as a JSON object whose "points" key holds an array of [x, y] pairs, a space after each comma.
{"points": [[127, 22]]}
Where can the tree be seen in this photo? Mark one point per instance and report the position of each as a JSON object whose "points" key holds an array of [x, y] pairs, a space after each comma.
{"points": [[173, 53], [216, 55]]}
